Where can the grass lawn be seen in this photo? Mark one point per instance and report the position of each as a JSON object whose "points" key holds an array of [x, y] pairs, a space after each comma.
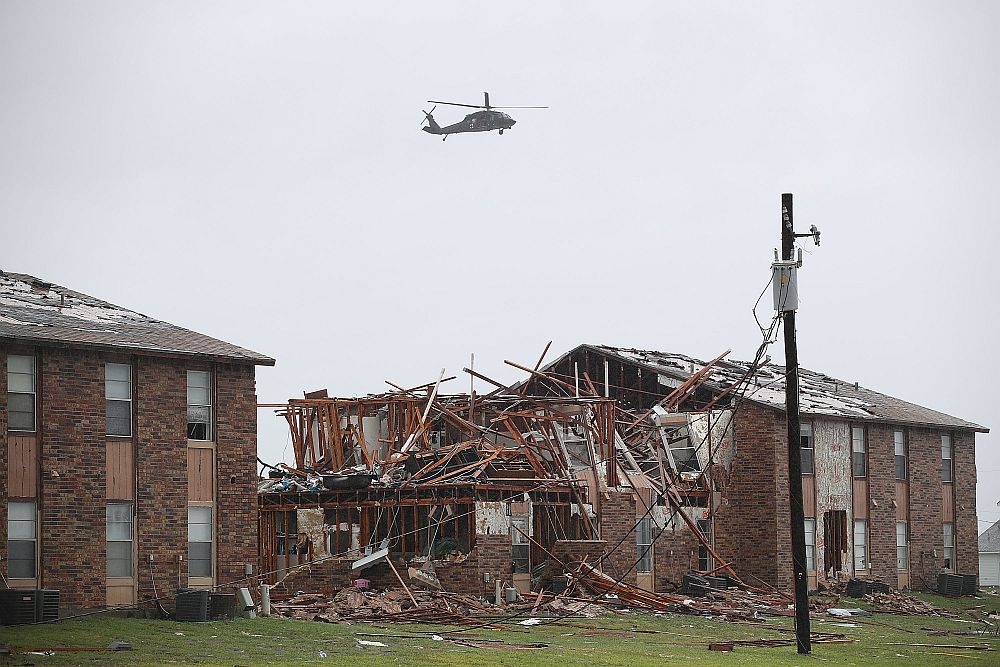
{"points": [[630, 641]]}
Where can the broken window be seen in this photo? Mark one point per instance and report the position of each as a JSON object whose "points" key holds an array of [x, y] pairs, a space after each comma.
{"points": [[859, 451], [899, 439], [199, 405], [947, 466], [578, 450], [949, 546], [118, 399], [860, 545], [902, 547], [21, 540], [705, 560], [808, 453], [810, 525], [200, 541], [20, 393], [644, 544], [119, 520], [682, 450], [520, 547]]}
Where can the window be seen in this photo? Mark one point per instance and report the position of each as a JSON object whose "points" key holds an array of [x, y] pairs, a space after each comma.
{"points": [[902, 547], [644, 544], [705, 560], [808, 453], [859, 451], [119, 516], [860, 545], [199, 399], [118, 398], [949, 546], [20, 393], [900, 439], [684, 453], [946, 459], [200, 541], [810, 545], [578, 450], [520, 548], [21, 540]]}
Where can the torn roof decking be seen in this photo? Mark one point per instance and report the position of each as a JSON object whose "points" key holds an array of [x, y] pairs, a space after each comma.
{"points": [[36, 311], [819, 394]]}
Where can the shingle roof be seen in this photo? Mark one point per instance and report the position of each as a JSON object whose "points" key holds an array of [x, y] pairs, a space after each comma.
{"points": [[990, 539], [34, 310], [819, 394]]}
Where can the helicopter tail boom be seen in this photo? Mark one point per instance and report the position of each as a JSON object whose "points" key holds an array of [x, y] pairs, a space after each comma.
{"points": [[432, 126]]}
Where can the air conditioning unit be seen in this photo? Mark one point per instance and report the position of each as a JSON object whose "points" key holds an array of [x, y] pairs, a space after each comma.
{"points": [[19, 606]]}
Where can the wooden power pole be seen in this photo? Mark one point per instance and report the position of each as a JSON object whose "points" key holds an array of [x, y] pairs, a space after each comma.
{"points": [[802, 630]]}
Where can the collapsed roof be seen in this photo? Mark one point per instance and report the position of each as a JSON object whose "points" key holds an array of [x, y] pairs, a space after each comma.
{"points": [[819, 394]]}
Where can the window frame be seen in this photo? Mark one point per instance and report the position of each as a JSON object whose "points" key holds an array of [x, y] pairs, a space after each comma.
{"points": [[33, 393], [107, 399], [809, 438], [33, 540], [644, 547], [950, 467], [520, 547], [810, 544], [863, 452], [706, 526], [864, 545], [901, 461], [211, 542], [904, 548], [130, 540], [210, 390], [948, 549]]}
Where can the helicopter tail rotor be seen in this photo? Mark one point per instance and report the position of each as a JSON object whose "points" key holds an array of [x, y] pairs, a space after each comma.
{"points": [[429, 119]]}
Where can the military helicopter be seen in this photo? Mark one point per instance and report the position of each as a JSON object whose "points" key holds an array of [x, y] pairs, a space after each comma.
{"points": [[477, 121]]}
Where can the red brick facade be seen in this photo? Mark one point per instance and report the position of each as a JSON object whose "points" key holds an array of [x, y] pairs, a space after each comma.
{"points": [[72, 485]]}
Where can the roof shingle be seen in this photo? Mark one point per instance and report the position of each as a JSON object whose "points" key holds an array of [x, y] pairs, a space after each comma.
{"points": [[34, 310]]}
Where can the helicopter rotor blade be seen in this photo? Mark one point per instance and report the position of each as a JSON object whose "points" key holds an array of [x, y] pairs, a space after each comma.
{"points": [[519, 107], [427, 115], [456, 104]]}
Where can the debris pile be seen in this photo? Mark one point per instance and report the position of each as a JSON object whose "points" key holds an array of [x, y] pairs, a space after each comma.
{"points": [[350, 605], [903, 604]]}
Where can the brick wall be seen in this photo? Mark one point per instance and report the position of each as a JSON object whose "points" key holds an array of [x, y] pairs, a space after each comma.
{"points": [[925, 507], [674, 554], [236, 495], [161, 488], [966, 525], [618, 519], [71, 418], [72, 545], [494, 557], [881, 511], [747, 523], [333, 574]]}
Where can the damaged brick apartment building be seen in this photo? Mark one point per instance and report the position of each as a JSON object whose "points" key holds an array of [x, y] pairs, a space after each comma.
{"points": [[128, 453], [647, 464]]}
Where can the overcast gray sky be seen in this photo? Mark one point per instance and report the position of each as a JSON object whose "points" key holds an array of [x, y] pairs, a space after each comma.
{"points": [[256, 171]]}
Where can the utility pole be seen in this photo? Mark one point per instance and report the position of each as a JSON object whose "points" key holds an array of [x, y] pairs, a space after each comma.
{"points": [[787, 285]]}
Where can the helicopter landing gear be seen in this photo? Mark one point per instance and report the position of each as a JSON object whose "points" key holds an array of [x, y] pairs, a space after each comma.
{"points": [[444, 138], [501, 132]]}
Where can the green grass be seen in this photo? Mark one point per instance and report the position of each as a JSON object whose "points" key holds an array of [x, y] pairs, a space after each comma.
{"points": [[656, 640]]}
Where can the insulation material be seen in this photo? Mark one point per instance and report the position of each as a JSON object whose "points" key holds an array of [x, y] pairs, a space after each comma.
{"points": [[312, 526], [832, 443], [492, 518]]}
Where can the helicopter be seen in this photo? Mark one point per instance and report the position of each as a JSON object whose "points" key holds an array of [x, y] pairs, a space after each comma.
{"points": [[477, 121]]}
